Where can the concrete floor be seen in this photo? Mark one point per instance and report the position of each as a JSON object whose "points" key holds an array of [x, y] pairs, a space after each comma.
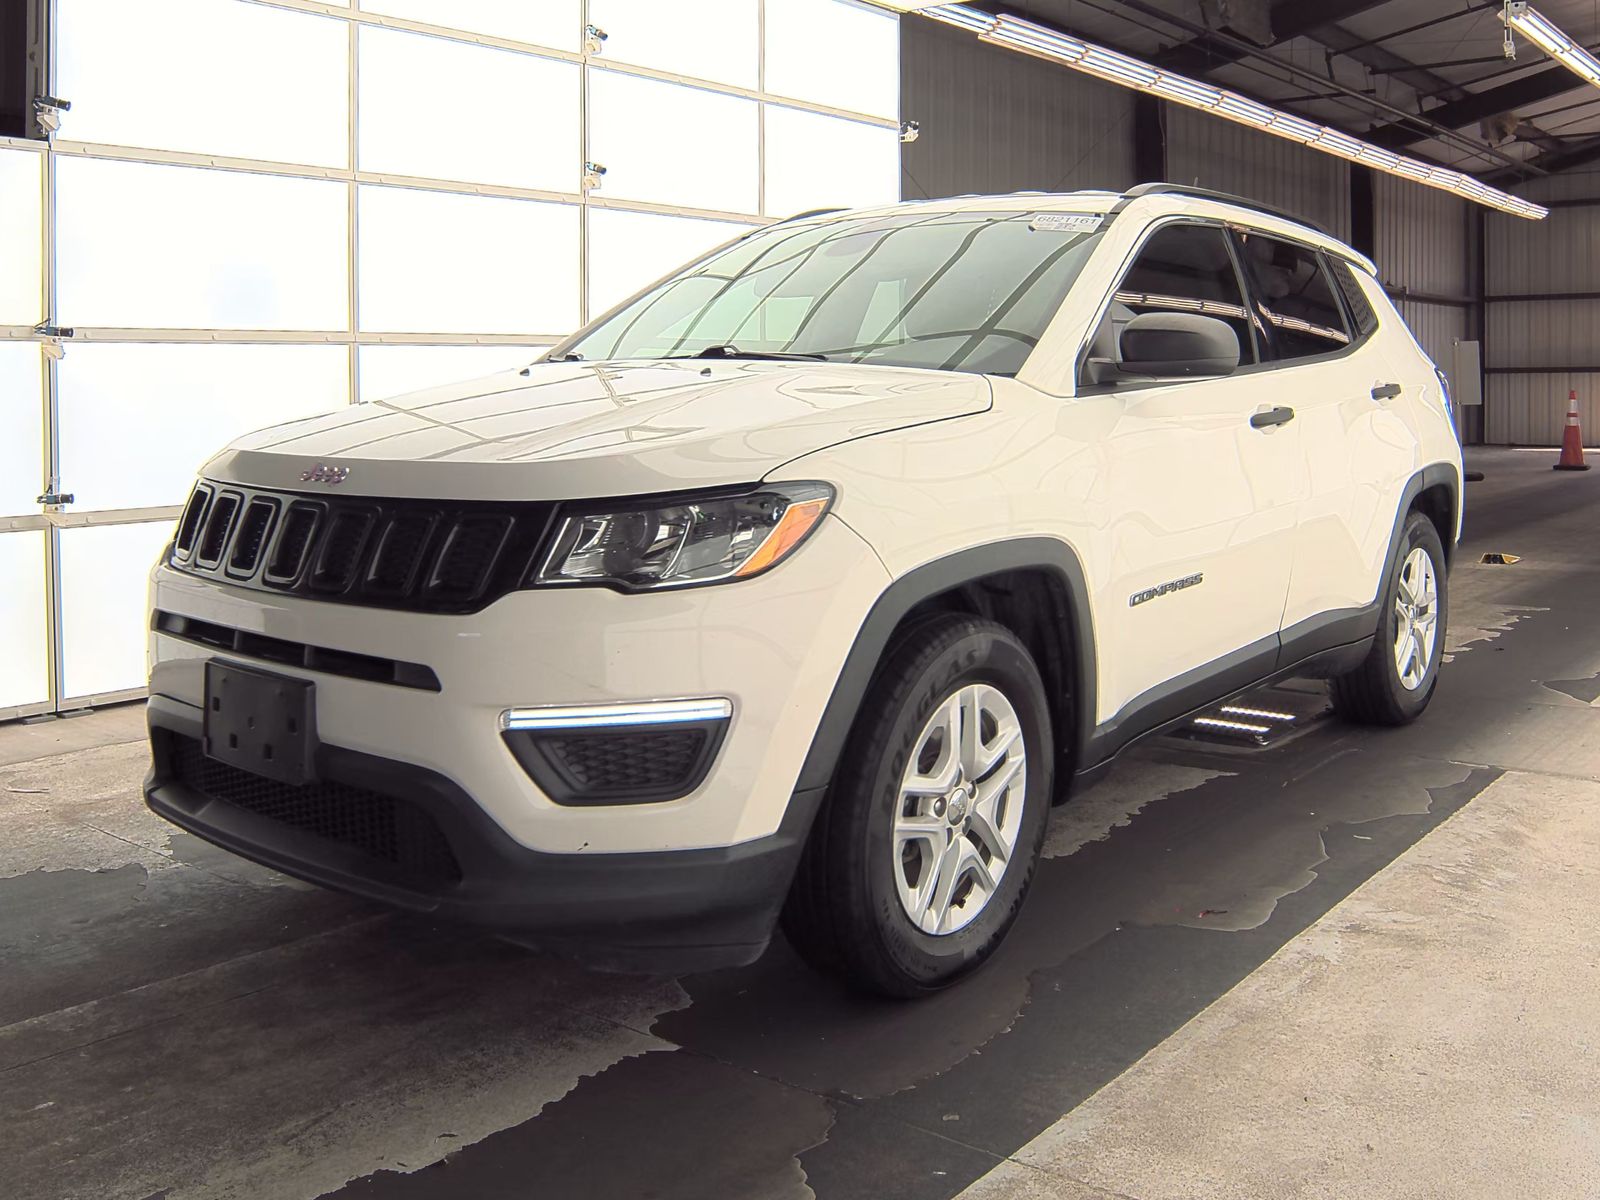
{"points": [[1352, 964]]}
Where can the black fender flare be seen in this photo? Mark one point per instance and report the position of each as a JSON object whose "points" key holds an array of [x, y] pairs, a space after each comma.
{"points": [[1431, 476], [931, 579]]}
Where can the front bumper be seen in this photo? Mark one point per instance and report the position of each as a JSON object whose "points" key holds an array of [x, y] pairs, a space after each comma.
{"points": [[773, 646], [438, 852]]}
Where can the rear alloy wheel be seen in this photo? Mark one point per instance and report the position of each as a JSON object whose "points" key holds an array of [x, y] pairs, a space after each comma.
{"points": [[1416, 619], [1396, 680], [923, 851]]}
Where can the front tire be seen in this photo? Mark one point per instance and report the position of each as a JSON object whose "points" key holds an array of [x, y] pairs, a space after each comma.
{"points": [[923, 853], [1397, 679]]}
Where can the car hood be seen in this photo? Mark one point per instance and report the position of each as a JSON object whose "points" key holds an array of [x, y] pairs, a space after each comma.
{"points": [[569, 430]]}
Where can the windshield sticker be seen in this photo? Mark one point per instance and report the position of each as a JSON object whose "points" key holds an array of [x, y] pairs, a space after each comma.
{"points": [[1066, 222]]}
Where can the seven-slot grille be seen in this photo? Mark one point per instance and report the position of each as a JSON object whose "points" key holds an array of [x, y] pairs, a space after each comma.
{"points": [[427, 555]]}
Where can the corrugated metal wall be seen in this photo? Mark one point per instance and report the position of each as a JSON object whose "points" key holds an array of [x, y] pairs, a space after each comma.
{"points": [[1558, 254], [1213, 153], [995, 121], [1529, 410], [1421, 238], [1423, 242]]}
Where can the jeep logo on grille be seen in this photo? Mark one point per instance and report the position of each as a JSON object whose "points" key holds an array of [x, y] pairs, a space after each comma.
{"points": [[332, 476]]}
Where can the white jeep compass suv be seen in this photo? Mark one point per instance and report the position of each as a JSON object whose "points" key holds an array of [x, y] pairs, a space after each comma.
{"points": [[800, 585]]}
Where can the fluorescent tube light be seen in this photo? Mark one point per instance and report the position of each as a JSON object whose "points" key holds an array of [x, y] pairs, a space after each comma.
{"points": [[1546, 35], [1290, 126], [1117, 67], [1179, 88], [1025, 37], [1246, 112]]}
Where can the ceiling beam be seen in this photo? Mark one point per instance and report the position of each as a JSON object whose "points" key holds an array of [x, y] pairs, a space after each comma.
{"points": [[1379, 59], [1479, 106], [1289, 68], [1375, 57], [1289, 19], [1577, 154]]}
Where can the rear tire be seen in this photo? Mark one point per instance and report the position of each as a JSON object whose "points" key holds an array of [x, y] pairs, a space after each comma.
{"points": [[1396, 680], [923, 852]]}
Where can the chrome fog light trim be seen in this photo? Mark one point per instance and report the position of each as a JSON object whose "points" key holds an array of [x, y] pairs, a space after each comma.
{"points": [[600, 716]]}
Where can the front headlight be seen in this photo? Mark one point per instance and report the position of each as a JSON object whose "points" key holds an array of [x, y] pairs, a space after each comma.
{"points": [[687, 541]]}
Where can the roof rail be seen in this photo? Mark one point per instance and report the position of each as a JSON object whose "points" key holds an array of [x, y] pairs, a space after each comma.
{"points": [[1182, 189], [810, 212]]}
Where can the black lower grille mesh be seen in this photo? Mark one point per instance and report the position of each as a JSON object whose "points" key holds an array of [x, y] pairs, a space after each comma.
{"points": [[631, 761], [387, 828]]}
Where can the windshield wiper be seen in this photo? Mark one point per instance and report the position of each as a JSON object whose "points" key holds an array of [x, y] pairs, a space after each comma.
{"points": [[735, 352]]}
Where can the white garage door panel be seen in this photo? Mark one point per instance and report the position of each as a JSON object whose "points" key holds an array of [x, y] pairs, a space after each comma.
{"points": [[673, 145], [21, 241], [21, 429], [825, 162], [142, 245], [395, 370], [234, 242], [628, 250], [205, 76], [555, 23], [432, 262], [440, 109], [836, 53], [200, 398], [103, 574], [716, 39], [24, 663]]}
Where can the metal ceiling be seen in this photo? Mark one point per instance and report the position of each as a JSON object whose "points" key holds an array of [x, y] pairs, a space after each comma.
{"points": [[1426, 77]]}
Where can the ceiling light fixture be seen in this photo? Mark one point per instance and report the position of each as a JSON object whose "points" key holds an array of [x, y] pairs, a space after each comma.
{"points": [[1025, 37], [1543, 33]]}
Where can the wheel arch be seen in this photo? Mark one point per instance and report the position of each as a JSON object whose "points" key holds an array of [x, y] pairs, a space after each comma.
{"points": [[1435, 492], [996, 580]]}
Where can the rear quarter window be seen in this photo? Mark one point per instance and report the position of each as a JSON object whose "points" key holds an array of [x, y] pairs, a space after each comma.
{"points": [[1355, 298]]}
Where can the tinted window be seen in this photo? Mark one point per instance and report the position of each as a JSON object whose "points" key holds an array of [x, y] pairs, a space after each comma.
{"points": [[1180, 268], [962, 291], [1296, 298], [1354, 298]]}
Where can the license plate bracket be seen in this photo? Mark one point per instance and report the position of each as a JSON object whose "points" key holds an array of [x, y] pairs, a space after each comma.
{"points": [[261, 722]]}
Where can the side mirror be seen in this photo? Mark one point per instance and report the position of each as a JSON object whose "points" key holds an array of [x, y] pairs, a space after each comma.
{"points": [[1178, 345]]}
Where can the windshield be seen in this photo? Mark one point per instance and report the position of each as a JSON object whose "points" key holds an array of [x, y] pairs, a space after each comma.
{"points": [[955, 291]]}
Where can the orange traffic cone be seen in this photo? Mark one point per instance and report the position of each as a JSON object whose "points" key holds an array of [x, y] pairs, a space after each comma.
{"points": [[1572, 439]]}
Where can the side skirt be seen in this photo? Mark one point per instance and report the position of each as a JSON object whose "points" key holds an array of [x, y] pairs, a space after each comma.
{"points": [[1320, 648]]}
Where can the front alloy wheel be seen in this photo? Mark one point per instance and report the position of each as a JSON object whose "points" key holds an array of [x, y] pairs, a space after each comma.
{"points": [[923, 851], [960, 812]]}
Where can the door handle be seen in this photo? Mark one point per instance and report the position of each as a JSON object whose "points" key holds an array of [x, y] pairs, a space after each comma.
{"points": [[1269, 417], [1386, 391]]}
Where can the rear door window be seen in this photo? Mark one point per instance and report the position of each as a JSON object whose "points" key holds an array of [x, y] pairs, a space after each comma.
{"points": [[1295, 296]]}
